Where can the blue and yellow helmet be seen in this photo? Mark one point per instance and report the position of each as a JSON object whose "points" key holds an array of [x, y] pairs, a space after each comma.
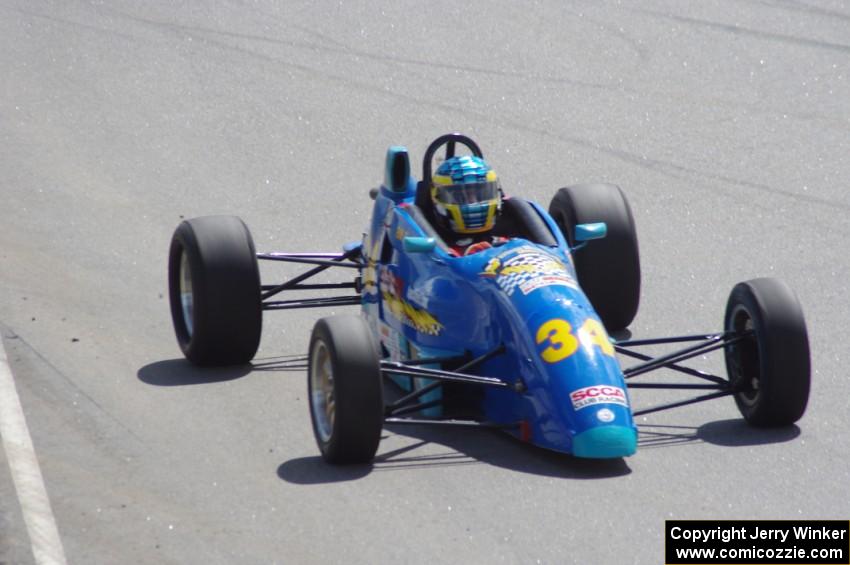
{"points": [[466, 192]]}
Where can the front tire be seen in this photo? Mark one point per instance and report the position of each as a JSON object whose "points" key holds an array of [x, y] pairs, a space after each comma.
{"points": [[770, 370], [345, 390], [214, 290], [608, 269]]}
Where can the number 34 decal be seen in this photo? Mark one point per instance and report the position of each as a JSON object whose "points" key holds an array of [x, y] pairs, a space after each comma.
{"points": [[562, 341]]}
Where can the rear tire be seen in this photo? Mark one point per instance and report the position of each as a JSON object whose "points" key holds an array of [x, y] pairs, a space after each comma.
{"points": [[608, 269], [214, 289], [771, 370], [346, 393]]}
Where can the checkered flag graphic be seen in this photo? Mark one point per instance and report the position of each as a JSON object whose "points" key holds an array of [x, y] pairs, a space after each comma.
{"points": [[525, 267]]}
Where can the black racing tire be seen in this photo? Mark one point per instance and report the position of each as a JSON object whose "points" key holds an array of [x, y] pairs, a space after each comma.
{"points": [[608, 269], [345, 390], [217, 315], [771, 370]]}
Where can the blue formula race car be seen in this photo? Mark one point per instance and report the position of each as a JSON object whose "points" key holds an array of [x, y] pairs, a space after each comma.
{"points": [[509, 329]]}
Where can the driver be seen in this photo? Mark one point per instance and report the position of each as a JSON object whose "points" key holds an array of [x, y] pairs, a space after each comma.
{"points": [[467, 199]]}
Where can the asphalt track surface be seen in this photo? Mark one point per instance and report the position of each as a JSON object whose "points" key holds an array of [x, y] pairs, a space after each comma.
{"points": [[727, 124]]}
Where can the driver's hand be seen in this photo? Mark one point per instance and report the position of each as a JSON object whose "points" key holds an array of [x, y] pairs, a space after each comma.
{"points": [[476, 247]]}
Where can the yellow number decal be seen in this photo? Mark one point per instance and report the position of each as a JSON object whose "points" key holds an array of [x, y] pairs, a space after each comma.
{"points": [[558, 334], [593, 333]]}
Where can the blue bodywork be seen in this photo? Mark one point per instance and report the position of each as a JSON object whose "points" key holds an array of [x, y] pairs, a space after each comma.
{"points": [[423, 302]]}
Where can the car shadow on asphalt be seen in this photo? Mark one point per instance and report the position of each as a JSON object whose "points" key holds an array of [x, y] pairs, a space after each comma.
{"points": [[314, 471], [180, 372], [492, 447], [429, 447], [734, 432], [737, 433]]}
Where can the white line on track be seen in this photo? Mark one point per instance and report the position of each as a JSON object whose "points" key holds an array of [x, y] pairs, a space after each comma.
{"points": [[26, 474]]}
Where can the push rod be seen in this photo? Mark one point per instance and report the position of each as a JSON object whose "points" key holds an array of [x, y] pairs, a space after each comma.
{"points": [[291, 283], [681, 355], [308, 261], [679, 386], [307, 255], [456, 423], [431, 386], [415, 407], [312, 303], [673, 339], [672, 366], [327, 286], [396, 368]]}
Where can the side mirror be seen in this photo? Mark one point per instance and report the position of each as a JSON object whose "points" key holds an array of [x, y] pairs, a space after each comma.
{"points": [[419, 244], [397, 169], [587, 232]]}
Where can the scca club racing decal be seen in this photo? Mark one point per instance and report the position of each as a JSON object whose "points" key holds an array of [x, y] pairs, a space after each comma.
{"points": [[598, 394], [527, 268], [392, 291]]}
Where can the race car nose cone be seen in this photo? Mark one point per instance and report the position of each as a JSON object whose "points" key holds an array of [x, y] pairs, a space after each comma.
{"points": [[605, 442]]}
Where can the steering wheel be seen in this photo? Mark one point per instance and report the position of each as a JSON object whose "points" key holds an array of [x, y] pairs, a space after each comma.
{"points": [[450, 140]]}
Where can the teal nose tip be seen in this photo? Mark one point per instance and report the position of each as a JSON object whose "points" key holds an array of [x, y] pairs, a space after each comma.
{"points": [[605, 442]]}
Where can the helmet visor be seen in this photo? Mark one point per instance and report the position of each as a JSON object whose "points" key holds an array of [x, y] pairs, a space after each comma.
{"points": [[467, 193]]}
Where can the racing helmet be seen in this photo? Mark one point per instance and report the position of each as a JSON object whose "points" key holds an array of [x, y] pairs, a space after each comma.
{"points": [[466, 194]]}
